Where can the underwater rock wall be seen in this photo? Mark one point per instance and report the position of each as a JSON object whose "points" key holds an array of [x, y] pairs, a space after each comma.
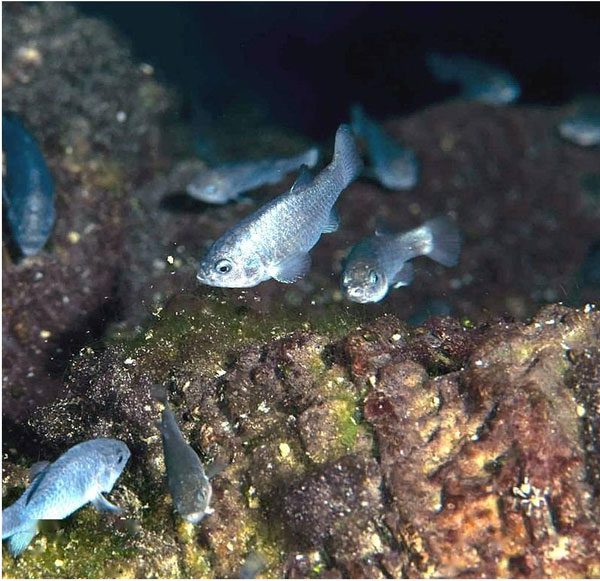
{"points": [[355, 445], [372, 450], [95, 114]]}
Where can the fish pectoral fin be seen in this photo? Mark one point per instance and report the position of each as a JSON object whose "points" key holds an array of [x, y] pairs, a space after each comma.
{"points": [[303, 180], [100, 503], [291, 269], [404, 276], [333, 222]]}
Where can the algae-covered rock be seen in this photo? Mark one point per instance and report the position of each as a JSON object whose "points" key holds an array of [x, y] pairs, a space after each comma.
{"points": [[484, 463]]}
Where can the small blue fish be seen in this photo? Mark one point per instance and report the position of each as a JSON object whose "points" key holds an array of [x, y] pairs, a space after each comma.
{"points": [[27, 190], [226, 182], [478, 80], [582, 129], [382, 260], [188, 482], [394, 166], [274, 242], [60, 488]]}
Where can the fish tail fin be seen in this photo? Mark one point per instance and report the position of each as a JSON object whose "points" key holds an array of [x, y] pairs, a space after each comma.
{"points": [[346, 158], [445, 241], [358, 118], [311, 157]]}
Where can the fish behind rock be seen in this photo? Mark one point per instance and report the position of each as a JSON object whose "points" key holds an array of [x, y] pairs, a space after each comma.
{"points": [[382, 261], [582, 129], [58, 489], [224, 183], [394, 166], [274, 241], [188, 482], [27, 190], [478, 80]]}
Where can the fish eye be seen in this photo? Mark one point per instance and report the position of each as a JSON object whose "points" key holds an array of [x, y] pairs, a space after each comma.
{"points": [[119, 458], [223, 266], [373, 277]]}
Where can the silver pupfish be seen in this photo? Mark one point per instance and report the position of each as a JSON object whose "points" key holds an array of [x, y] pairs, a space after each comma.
{"points": [[394, 166], [382, 260], [582, 129], [478, 80], [226, 182], [188, 481], [60, 488], [274, 241]]}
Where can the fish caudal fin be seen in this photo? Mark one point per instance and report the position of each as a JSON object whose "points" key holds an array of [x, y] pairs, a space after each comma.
{"points": [[346, 158], [445, 241], [18, 542]]}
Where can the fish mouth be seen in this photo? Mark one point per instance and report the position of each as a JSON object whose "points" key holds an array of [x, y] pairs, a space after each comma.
{"points": [[357, 295]]}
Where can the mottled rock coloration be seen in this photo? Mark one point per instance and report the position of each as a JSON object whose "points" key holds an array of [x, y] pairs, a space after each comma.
{"points": [[378, 449], [95, 114]]}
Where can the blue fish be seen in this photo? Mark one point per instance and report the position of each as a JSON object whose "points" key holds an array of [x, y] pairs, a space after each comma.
{"points": [[60, 488], [274, 242], [582, 129], [392, 165], [479, 81], [381, 261], [189, 483], [226, 182], [27, 190]]}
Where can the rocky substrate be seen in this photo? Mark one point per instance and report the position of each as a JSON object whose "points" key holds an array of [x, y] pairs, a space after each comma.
{"points": [[355, 444], [372, 450]]}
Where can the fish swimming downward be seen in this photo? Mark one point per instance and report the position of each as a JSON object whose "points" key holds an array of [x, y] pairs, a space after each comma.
{"points": [[478, 80], [60, 488], [188, 482], [392, 165], [28, 189], [226, 182], [274, 242], [381, 261]]}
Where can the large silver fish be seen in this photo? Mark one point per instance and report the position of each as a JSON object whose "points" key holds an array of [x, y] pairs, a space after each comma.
{"points": [[381, 261], [478, 80], [226, 182], [188, 482], [58, 489], [392, 165], [274, 241]]}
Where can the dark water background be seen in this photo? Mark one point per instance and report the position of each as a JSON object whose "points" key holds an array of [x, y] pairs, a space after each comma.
{"points": [[307, 62]]}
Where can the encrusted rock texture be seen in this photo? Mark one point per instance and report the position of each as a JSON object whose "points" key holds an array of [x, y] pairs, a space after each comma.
{"points": [[95, 113], [371, 450], [354, 444]]}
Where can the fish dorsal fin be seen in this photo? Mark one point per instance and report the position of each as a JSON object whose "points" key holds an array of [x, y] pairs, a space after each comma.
{"points": [[291, 269], [333, 222], [303, 180], [37, 469], [35, 483]]}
